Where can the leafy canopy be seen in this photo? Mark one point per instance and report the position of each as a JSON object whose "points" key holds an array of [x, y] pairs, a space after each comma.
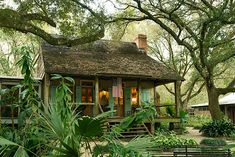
{"points": [[78, 21]]}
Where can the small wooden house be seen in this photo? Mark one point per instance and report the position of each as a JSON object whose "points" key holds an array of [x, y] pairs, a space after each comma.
{"points": [[109, 75]]}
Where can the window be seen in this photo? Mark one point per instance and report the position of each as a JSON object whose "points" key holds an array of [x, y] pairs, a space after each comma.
{"points": [[204, 108], [87, 91], [9, 101], [134, 94]]}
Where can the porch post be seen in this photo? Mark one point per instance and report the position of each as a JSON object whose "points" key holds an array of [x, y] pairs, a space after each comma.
{"points": [[46, 90], [96, 107], [139, 92], [177, 97], [156, 99]]}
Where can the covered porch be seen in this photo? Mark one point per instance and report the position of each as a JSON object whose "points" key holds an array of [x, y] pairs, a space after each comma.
{"points": [[122, 95], [118, 94], [132, 94]]}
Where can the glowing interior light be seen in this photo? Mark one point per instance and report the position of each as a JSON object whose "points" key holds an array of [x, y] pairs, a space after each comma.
{"points": [[134, 99], [104, 92]]}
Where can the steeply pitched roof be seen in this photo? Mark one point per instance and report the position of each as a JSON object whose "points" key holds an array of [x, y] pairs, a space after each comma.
{"points": [[104, 58]]}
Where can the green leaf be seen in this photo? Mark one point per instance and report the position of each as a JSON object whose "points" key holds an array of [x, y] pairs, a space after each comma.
{"points": [[89, 127], [21, 152], [104, 115], [70, 150], [4, 141], [56, 77], [70, 79]]}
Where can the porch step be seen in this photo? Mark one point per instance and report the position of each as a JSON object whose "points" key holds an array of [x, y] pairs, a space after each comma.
{"points": [[135, 131]]}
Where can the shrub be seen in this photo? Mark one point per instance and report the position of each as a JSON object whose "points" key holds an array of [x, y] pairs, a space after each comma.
{"points": [[218, 128], [171, 140], [197, 121], [213, 142], [170, 111]]}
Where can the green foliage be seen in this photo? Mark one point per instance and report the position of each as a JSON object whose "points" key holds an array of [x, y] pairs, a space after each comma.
{"points": [[145, 112], [197, 121], [30, 100], [183, 116], [63, 92], [134, 148], [171, 140], [4, 141], [89, 127], [218, 128], [9, 98], [23, 142], [10, 55], [72, 136], [81, 19], [213, 142], [60, 128], [170, 110], [27, 136]]}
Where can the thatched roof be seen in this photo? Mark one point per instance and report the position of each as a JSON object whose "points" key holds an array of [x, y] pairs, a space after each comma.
{"points": [[104, 58]]}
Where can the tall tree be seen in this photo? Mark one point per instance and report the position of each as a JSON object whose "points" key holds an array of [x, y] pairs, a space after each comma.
{"points": [[166, 50], [77, 20], [204, 28]]}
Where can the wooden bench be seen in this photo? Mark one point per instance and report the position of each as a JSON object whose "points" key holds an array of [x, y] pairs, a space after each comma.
{"points": [[202, 152]]}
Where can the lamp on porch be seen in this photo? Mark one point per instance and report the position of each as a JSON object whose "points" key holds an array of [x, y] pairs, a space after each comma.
{"points": [[104, 92]]}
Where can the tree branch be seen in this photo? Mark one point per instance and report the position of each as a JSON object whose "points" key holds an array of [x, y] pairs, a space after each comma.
{"points": [[216, 59], [191, 85], [208, 5], [172, 33], [225, 90], [128, 19], [39, 17], [89, 9], [231, 84], [173, 93], [198, 91], [13, 20]]}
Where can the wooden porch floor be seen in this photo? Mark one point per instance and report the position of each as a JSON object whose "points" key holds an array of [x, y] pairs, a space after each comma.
{"points": [[157, 120]]}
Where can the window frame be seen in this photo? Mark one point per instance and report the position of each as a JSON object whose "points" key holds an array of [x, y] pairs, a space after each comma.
{"points": [[92, 87]]}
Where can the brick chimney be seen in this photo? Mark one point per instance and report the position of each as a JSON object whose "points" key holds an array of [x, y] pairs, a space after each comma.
{"points": [[141, 42]]}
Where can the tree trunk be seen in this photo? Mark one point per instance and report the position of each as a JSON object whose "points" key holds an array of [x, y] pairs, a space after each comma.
{"points": [[184, 104], [214, 108]]}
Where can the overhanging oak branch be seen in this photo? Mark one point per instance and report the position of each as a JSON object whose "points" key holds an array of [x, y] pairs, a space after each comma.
{"points": [[22, 23]]}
